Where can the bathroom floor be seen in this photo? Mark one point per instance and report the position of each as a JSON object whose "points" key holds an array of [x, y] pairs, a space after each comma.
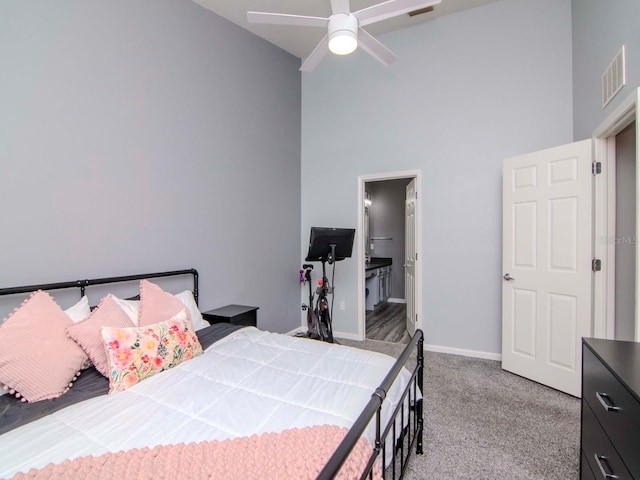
{"points": [[387, 323]]}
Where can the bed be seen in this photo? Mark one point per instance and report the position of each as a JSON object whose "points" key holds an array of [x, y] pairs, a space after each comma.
{"points": [[329, 410]]}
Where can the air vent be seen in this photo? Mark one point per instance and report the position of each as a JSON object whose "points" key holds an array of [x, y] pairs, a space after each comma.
{"points": [[613, 78], [420, 11]]}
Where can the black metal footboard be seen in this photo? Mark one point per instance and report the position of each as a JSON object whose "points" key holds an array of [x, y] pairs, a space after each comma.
{"points": [[407, 418]]}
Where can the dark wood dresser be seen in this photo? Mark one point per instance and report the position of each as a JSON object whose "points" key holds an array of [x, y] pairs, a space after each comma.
{"points": [[610, 425]]}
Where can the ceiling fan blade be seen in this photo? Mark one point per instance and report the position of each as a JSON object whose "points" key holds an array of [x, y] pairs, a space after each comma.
{"points": [[311, 62], [339, 6], [389, 9], [286, 19], [373, 47]]}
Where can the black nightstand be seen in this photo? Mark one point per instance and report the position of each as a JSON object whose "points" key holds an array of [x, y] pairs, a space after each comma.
{"points": [[235, 314]]}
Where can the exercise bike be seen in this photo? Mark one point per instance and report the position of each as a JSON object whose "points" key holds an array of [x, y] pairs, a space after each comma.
{"points": [[326, 245], [318, 315]]}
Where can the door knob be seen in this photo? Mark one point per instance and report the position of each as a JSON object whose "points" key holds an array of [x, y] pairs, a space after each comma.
{"points": [[508, 277]]}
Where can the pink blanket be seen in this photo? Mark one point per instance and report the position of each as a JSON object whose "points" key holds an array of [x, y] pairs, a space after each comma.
{"points": [[292, 454]]}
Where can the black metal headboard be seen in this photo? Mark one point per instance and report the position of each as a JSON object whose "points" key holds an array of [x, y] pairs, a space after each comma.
{"points": [[83, 284]]}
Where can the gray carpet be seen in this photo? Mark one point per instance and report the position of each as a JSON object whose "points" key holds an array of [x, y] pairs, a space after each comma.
{"points": [[484, 423]]}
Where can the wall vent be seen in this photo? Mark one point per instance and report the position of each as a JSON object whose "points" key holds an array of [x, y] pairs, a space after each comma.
{"points": [[613, 78], [420, 11]]}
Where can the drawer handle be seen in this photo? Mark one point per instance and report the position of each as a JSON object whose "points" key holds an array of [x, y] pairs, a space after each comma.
{"points": [[601, 461], [605, 401]]}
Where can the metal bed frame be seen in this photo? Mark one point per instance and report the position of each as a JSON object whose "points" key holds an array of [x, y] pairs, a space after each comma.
{"points": [[410, 406], [405, 439], [83, 284]]}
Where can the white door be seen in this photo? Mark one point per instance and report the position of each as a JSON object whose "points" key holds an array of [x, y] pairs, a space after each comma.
{"points": [[547, 252], [410, 255]]}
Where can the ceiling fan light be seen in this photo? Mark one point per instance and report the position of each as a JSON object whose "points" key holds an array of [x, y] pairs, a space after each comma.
{"points": [[343, 33], [343, 43]]}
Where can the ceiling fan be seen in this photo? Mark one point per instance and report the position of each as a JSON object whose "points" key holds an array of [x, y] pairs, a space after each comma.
{"points": [[345, 32]]}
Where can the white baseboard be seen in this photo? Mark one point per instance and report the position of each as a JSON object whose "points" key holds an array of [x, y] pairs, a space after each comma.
{"points": [[347, 336], [464, 352], [397, 300], [296, 330], [431, 348]]}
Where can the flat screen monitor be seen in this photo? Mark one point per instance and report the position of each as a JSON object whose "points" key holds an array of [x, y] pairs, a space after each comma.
{"points": [[323, 237]]}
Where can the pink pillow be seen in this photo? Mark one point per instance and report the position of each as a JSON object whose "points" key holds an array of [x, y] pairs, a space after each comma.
{"points": [[37, 359], [140, 352], [88, 335], [156, 305]]}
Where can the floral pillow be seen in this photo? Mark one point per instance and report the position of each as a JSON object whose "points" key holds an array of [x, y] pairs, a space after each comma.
{"points": [[140, 352]]}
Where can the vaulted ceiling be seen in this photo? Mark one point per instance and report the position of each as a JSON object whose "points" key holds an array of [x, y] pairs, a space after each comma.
{"points": [[300, 41]]}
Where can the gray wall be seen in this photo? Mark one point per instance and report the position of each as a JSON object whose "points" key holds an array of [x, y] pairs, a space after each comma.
{"points": [[468, 91], [600, 28], [149, 135], [626, 233], [387, 219]]}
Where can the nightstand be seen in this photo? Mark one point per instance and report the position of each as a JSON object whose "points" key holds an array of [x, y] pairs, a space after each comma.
{"points": [[235, 314]]}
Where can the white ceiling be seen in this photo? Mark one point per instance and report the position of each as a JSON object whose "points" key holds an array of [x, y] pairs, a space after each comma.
{"points": [[300, 41]]}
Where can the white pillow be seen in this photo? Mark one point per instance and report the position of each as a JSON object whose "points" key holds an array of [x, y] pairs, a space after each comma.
{"points": [[79, 311], [187, 299], [131, 308]]}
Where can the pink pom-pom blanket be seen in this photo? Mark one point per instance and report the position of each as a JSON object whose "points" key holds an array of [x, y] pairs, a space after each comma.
{"points": [[292, 454]]}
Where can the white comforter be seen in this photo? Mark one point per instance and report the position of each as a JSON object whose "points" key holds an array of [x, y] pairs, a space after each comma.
{"points": [[250, 382]]}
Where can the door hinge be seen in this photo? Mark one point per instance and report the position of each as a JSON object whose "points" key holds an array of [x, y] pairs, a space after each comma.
{"points": [[596, 265], [416, 256], [596, 168]]}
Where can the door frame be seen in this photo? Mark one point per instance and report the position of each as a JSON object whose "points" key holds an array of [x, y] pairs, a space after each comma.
{"points": [[362, 179], [604, 144]]}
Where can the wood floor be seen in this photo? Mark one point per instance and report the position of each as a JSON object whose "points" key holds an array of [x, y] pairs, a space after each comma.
{"points": [[387, 323]]}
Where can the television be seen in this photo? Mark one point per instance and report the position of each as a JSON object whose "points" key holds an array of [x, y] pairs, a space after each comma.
{"points": [[323, 238]]}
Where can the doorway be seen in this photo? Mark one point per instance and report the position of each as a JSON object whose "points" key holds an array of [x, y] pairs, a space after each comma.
{"points": [[384, 303], [625, 233], [546, 287], [614, 230], [615, 292]]}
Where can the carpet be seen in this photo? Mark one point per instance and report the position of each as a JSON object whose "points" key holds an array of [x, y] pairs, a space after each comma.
{"points": [[482, 422]]}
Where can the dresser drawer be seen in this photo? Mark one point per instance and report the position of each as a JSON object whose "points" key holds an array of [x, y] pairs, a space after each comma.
{"points": [[616, 409], [598, 451], [585, 469]]}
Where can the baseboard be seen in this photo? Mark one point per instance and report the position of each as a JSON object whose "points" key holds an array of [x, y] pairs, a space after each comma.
{"points": [[296, 330], [397, 300], [347, 336], [431, 348], [464, 352]]}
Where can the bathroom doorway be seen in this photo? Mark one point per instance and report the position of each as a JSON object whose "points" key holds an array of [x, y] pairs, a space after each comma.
{"points": [[389, 272]]}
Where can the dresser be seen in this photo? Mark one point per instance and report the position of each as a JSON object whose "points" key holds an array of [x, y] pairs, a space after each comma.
{"points": [[610, 423]]}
